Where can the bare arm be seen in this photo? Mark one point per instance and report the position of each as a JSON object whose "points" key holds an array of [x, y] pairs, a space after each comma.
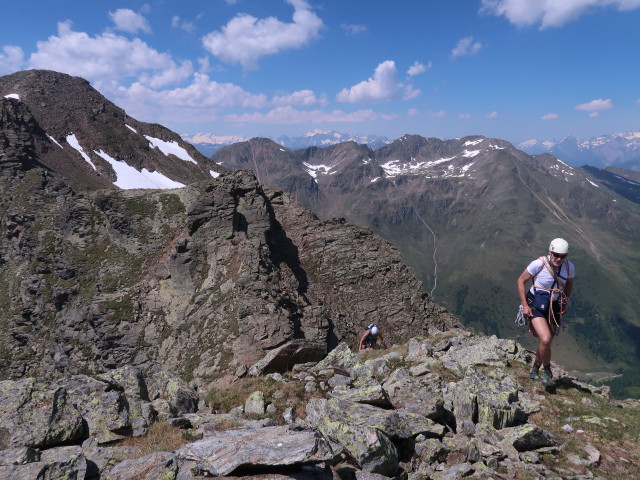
{"points": [[384, 344], [524, 277], [568, 287]]}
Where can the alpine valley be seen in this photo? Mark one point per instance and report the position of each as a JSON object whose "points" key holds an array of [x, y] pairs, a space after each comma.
{"points": [[468, 215]]}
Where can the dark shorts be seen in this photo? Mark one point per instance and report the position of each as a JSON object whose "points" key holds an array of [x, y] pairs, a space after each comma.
{"points": [[554, 327]]}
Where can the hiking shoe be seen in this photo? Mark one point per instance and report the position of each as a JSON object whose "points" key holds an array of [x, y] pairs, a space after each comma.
{"points": [[534, 375], [547, 380]]}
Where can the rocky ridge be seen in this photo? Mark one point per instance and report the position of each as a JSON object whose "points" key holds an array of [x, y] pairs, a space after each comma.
{"points": [[449, 405], [205, 280]]}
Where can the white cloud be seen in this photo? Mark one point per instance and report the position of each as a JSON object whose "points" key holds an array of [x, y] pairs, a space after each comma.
{"points": [[303, 98], [129, 21], [595, 105], [492, 115], [289, 115], [413, 111], [202, 93], [381, 87], [11, 60], [549, 13], [466, 47], [594, 114], [438, 114], [464, 115], [107, 57], [417, 68], [245, 38], [177, 22], [351, 29], [549, 116]]}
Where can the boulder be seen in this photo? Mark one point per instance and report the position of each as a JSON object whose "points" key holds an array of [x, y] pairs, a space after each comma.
{"points": [[291, 353], [528, 437], [37, 414], [482, 399], [158, 465], [61, 463], [421, 395], [255, 450]]}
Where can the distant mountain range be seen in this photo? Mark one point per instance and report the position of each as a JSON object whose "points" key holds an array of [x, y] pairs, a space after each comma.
{"points": [[468, 214], [617, 150], [208, 143]]}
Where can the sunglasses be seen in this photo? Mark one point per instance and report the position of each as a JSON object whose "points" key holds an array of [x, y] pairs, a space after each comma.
{"points": [[559, 255]]}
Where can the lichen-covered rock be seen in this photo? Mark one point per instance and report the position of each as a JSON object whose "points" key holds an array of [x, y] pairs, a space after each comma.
{"points": [[395, 424], [483, 399], [343, 359], [254, 404], [473, 351], [105, 408], [528, 437], [61, 463], [175, 395], [154, 466], [268, 447], [286, 356], [368, 446], [37, 414], [422, 395]]}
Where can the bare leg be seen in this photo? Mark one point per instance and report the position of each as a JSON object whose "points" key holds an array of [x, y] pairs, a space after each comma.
{"points": [[543, 354]]}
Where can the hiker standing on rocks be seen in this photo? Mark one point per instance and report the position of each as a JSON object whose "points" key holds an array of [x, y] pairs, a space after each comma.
{"points": [[370, 338], [545, 302]]}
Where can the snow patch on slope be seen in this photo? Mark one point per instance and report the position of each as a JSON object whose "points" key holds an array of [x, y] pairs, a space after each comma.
{"points": [[170, 148], [129, 178]]}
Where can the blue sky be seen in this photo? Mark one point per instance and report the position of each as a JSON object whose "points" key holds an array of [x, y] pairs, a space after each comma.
{"points": [[511, 69]]}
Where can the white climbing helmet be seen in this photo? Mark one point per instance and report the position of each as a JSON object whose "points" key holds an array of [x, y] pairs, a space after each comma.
{"points": [[559, 245], [374, 330]]}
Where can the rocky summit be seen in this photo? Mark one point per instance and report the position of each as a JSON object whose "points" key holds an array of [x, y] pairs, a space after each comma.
{"points": [[448, 405]]}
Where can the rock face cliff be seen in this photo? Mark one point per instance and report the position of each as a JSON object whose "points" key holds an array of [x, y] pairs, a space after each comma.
{"points": [[204, 280]]}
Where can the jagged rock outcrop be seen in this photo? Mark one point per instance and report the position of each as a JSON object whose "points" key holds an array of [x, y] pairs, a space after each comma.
{"points": [[205, 280]]}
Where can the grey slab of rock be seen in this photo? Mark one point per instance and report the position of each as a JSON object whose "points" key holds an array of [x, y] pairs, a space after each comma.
{"points": [[104, 408], [286, 356], [268, 447], [395, 424], [254, 404], [479, 351], [419, 350], [37, 414], [483, 399], [19, 456], [528, 437], [155, 466], [342, 359], [61, 463], [372, 395], [422, 395]]}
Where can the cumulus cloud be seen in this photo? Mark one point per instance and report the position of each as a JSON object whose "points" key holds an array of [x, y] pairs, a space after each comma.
{"points": [[549, 116], [351, 29], [107, 57], [11, 59], [466, 47], [549, 13], [245, 38], [492, 115], [129, 21], [594, 114], [595, 105], [303, 98], [438, 114], [290, 115], [417, 68], [381, 87]]}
